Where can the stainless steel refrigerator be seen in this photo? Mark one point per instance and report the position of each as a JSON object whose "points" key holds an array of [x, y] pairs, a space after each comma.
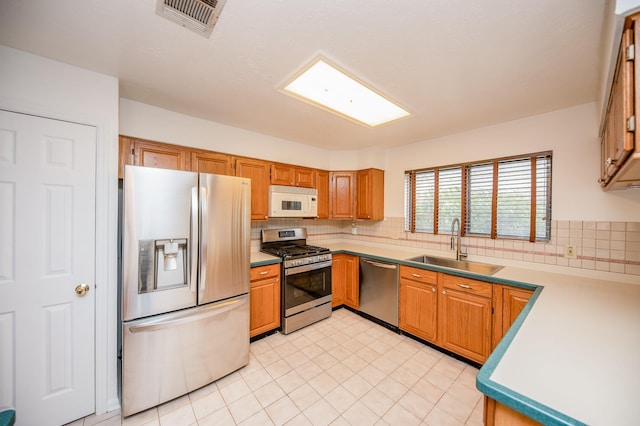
{"points": [[185, 282]]}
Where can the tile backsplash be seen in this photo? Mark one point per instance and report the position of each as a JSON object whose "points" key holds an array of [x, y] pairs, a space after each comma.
{"points": [[601, 246]]}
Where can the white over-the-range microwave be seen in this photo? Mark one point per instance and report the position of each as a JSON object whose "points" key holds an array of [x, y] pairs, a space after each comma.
{"points": [[292, 201]]}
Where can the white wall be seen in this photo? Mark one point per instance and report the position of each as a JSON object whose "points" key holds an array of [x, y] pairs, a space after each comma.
{"points": [[570, 133], [35, 85], [157, 124]]}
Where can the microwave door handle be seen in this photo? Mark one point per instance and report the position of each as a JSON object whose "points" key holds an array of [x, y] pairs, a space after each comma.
{"points": [[193, 275]]}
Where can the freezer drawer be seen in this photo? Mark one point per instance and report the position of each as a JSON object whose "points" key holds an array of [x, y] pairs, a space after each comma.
{"points": [[169, 355]]}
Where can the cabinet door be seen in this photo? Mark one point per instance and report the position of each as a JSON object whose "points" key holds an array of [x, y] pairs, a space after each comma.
{"points": [[211, 162], [258, 172], [498, 414], [322, 185], [370, 194], [163, 156], [304, 177], [508, 302], [265, 299], [338, 277], [418, 309], [513, 301], [351, 284], [465, 324], [617, 141], [342, 195], [282, 174]]}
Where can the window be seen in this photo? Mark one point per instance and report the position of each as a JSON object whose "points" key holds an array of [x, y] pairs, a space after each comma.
{"points": [[500, 198]]}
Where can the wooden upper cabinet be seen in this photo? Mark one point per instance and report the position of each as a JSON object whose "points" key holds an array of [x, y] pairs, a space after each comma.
{"points": [[620, 138], [288, 175], [212, 162], [342, 195], [304, 177], [163, 156], [140, 152], [322, 185], [617, 138], [258, 172], [282, 174], [370, 194]]}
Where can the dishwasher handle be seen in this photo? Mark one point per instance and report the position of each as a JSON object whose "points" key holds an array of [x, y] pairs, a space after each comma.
{"points": [[380, 265]]}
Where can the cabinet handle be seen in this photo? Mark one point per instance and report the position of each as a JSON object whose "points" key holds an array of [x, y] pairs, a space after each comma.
{"points": [[433, 289], [264, 272], [417, 275], [465, 286], [610, 161], [444, 292]]}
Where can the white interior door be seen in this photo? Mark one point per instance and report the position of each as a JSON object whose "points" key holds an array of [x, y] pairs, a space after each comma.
{"points": [[47, 248]]}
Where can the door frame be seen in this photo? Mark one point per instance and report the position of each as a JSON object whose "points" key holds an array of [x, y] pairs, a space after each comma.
{"points": [[105, 321]]}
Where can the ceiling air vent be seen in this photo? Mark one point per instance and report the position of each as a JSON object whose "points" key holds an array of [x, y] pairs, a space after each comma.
{"points": [[197, 15]]}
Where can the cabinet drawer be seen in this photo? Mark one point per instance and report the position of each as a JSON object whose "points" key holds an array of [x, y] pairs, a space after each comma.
{"points": [[419, 275], [263, 272], [467, 285]]}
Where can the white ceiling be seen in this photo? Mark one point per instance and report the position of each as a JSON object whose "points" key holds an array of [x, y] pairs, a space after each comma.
{"points": [[454, 64]]}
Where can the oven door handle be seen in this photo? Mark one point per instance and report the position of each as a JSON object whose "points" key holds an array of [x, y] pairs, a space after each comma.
{"points": [[307, 268]]}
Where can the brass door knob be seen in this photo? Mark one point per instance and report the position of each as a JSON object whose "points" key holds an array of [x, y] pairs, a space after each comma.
{"points": [[82, 289]]}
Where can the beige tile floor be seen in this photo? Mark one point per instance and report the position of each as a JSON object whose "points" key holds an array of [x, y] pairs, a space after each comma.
{"points": [[344, 370]]}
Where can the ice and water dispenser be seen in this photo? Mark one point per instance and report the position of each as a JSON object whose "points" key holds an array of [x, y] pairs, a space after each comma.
{"points": [[162, 264]]}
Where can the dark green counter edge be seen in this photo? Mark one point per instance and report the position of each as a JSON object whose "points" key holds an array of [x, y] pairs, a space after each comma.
{"points": [[266, 262], [502, 394]]}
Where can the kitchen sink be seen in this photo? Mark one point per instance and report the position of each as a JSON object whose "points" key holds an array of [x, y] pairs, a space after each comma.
{"points": [[463, 265]]}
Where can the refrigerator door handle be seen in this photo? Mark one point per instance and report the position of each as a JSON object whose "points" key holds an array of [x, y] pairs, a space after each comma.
{"points": [[193, 275], [204, 234], [189, 316]]}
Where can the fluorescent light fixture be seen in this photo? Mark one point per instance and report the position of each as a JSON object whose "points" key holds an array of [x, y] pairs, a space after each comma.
{"points": [[325, 86]]}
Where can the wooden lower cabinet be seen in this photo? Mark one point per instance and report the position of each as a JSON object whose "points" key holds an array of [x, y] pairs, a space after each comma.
{"points": [[464, 316], [338, 278], [265, 299], [344, 280], [418, 301], [508, 302], [498, 414]]}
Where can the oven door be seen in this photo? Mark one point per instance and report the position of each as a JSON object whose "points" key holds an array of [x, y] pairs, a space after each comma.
{"points": [[305, 287]]}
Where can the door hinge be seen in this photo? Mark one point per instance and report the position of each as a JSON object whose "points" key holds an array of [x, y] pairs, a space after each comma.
{"points": [[631, 52], [631, 124]]}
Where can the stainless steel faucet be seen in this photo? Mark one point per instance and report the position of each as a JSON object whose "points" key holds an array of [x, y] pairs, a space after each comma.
{"points": [[457, 235]]}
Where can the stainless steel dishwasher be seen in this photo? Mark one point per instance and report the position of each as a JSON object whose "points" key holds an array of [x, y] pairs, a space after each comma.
{"points": [[379, 290]]}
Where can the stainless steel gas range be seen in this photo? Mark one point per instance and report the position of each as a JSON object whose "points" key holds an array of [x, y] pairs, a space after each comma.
{"points": [[306, 272]]}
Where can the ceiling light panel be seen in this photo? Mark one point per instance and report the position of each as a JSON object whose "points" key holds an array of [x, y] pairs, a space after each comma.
{"points": [[326, 86]]}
